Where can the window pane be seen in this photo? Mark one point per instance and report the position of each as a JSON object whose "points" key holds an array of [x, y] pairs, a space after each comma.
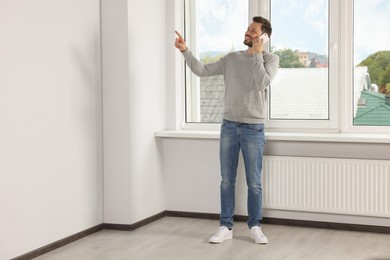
{"points": [[372, 63], [217, 27], [300, 38]]}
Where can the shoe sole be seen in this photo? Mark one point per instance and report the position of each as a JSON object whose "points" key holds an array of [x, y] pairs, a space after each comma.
{"points": [[219, 242], [262, 242]]}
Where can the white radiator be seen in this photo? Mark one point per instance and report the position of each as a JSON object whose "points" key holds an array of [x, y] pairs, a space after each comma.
{"points": [[342, 186]]}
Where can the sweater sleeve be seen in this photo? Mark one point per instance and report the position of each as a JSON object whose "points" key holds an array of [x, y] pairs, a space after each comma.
{"points": [[265, 70], [203, 70]]}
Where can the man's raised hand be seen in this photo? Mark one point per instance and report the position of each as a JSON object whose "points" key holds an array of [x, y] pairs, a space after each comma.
{"points": [[258, 45], [180, 43]]}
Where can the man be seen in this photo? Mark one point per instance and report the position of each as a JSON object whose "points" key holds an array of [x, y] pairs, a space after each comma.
{"points": [[247, 76]]}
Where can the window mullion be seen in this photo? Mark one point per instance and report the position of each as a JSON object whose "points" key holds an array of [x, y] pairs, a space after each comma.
{"points": [[346, 64]]}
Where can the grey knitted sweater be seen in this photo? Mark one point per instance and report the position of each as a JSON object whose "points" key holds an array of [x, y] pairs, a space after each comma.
{"points": [[247, 78]]}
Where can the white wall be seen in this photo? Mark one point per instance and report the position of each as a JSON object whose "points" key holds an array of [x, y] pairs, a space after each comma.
{"points": [[192, 176], [134, 68], [116, 111], [51, 153], [50, 122]]}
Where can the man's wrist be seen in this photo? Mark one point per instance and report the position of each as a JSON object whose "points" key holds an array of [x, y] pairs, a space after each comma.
{"points": [[184, 49]]}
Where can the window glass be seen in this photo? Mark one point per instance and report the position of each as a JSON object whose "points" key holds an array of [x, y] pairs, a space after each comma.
{"points": [[371, 92], [216, 27], [300, 90]]}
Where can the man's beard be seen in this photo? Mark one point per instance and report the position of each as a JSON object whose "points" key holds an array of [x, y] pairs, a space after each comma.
{"points": [[249, 44]]}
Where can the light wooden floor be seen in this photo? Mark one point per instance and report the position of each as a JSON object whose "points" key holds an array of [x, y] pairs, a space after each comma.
{"points": [[186, 238]]}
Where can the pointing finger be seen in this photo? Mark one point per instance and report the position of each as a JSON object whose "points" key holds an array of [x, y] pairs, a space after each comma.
{"points": [[178, 34]]}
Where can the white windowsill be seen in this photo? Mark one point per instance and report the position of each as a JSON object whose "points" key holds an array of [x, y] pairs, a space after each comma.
{"points": [[282, 136]]}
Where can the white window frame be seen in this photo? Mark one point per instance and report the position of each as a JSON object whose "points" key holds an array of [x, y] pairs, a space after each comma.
{"points": [[331, 124], [192, 108], [340, 83]]}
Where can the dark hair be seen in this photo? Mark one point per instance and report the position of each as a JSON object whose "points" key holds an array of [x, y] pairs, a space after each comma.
{"points": [[265, 24]]}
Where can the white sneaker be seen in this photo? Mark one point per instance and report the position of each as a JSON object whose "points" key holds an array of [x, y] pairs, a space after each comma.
{"points": [[221, 235], [258, 236]]}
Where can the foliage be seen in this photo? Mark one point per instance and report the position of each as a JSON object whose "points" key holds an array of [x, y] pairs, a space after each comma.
{"points": [[288, 59], [378, 67]]}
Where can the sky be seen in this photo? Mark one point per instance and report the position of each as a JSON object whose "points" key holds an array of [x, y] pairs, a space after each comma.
{"points": [[222, 24], [371, 21], [297, 24], [300, 25]]}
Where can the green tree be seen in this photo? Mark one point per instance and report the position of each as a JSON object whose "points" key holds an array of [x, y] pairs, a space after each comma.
{"points": [[379, 68], [288, 59]]}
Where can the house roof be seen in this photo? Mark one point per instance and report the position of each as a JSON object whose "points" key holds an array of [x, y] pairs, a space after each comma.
{"points": [[376, 111], [297, 93], [212, 93]]}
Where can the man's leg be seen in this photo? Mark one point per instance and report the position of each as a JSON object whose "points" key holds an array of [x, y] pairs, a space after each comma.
{"points": [[252, 145], [229, 151]]}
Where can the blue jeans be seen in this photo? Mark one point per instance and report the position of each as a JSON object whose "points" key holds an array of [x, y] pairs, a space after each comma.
{"points": [[249, 138]]}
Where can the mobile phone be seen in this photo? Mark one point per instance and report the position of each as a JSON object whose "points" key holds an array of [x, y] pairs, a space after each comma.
{"points": [[265, 37]]}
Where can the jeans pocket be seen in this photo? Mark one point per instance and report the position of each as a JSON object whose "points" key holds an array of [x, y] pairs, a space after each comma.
{"points": [[258, 127]]}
